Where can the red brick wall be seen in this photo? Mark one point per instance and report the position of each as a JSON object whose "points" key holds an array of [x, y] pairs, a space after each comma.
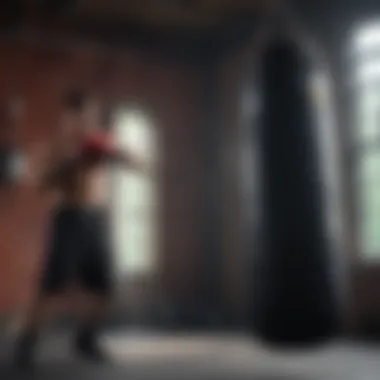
{"points": [[171, 90]]}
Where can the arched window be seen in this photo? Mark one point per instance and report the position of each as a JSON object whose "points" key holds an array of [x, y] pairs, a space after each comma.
{"points": [[134, 198], [366, 70]]}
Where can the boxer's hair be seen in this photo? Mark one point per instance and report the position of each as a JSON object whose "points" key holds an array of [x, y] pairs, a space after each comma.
{"points": [[75, 100]]}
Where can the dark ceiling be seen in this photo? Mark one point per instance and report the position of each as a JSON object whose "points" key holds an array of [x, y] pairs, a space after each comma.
{"points": [[192, 28]]}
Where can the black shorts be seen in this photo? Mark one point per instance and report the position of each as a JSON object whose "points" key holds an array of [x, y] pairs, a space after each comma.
{"points": [[78, 251]]}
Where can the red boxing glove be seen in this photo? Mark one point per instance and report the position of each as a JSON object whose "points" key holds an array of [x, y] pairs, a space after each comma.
{"points": [[98, 143]]}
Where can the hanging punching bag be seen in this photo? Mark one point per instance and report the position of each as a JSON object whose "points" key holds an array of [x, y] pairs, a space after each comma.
{"points": [[296, 287]]}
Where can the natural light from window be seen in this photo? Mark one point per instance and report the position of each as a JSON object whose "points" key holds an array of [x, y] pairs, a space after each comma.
{"points": [[366, 55], [134, 197]]}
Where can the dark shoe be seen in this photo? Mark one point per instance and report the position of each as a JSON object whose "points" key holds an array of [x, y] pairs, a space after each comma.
{"points": [[25, 350], [89, 349]]}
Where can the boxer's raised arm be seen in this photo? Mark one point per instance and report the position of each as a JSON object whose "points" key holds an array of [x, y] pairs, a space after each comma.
{"points": [[106, 146], [130, 160]]}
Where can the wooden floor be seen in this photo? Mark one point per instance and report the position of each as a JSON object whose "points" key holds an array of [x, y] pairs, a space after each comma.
{"points": [[187, 356]]}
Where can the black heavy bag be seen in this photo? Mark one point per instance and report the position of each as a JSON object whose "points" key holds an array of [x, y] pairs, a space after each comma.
{"points": [[296, 271]]}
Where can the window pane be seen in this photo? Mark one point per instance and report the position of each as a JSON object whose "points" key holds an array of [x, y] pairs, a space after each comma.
{"points": [[366, 65], [368, 113], [369, 166], [369, 204]]}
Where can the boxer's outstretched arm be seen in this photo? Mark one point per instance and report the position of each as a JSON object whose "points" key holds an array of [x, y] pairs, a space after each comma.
{"points": [[106, 146], [129, 160]]}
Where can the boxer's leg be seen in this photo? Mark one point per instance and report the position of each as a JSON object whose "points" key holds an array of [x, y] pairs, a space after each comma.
{"points": [[53, 283], [95, 278]]}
